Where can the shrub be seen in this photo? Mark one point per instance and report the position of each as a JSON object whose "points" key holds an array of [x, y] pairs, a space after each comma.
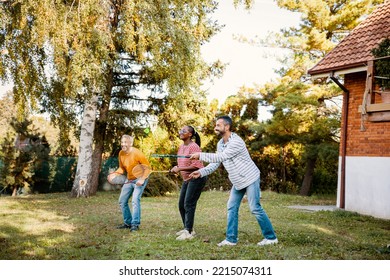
{"points": [[160, 184]]}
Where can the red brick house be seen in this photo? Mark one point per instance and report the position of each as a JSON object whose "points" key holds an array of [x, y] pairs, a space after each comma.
{"points": [[364, 159]]}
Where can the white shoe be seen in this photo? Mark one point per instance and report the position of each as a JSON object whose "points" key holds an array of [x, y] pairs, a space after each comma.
{"points": [[183, 230], [185, 235], [266, 241], [226, 243]]}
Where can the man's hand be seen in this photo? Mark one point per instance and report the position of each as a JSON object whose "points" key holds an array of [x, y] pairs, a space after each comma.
{"points": [[140, 182], [194, 175], [112, 176], [195, 156]]}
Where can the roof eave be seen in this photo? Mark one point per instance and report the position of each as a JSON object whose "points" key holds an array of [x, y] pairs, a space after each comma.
{"points": [[360, 67]]}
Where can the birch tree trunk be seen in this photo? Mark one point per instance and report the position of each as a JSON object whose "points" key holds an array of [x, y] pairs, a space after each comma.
{"points": [[82, 182]]}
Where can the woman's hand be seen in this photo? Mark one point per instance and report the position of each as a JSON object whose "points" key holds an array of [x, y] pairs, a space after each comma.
{"points": [[175, 169]]}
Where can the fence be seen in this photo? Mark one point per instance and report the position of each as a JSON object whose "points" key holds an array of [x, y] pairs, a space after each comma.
{"points": [[57, 174]]}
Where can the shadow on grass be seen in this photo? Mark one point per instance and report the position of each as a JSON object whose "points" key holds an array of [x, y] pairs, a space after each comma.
{"points": [[57, 227], [18, 245]]}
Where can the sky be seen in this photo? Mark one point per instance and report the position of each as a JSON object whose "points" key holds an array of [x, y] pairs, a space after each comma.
{"points": [[247, 65]]}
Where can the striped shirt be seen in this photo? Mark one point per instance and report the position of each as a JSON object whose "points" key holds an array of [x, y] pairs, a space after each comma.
{"points": [[235, 158], [187, 150]]}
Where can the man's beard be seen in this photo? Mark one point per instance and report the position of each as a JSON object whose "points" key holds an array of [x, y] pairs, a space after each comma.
{"points": [[219, 133]]}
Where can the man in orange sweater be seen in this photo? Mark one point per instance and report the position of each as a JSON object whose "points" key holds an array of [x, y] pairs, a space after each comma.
{"points": [[128, 158]]}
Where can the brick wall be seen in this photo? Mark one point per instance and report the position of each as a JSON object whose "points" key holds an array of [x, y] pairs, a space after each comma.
{"points": [[375, 140]]}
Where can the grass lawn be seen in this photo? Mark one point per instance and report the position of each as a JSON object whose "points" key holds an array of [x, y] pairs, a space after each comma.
{"points": [[56, 227]]}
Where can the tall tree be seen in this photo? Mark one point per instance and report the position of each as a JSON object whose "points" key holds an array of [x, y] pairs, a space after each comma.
{"points": [[66, 52], [84, 164], [301, 113], [302, 108], [324, 24], [304, 119], [7, 112], [22, 153]]}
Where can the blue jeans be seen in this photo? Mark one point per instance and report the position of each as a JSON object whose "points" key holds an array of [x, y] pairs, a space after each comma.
{"points": [[130, 189], [233, 206]]}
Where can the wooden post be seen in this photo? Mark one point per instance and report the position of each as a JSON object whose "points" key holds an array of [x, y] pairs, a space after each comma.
{"points": [[370, 83]]}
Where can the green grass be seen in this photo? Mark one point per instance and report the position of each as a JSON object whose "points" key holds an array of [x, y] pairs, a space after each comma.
{"points": [[56, 227]]}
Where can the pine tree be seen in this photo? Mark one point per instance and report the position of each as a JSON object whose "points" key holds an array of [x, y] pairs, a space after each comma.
{"points": [[22, 157]]}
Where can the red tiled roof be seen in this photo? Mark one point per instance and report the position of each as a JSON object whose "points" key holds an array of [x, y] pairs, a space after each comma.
{"points": [[355, 49]]}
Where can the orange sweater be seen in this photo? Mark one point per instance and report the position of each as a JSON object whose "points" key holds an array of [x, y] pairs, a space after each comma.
{"points": [[128, 161]]}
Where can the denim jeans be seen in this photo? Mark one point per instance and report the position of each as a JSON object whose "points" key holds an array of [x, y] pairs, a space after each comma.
{"points": [[233, 206], [189, 195], [130, 189]]}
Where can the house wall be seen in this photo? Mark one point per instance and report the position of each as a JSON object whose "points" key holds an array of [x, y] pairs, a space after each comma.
{"points": [[367, 169], [367, 186], [375, 140]]}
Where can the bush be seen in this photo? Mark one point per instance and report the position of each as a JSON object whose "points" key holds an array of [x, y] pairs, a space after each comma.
{"points": [[324, 182], [160, 184], [64, 169]]}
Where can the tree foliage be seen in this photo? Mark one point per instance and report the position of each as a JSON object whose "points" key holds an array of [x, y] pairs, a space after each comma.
{"points": [[303, 111], [7, 112], [23, 152], [136, 56], [301, 138]]}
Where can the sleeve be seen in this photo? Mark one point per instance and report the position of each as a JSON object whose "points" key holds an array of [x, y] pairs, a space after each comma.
{"points": [[209, 169], [121, 168], [232, 150], [142, 159]]}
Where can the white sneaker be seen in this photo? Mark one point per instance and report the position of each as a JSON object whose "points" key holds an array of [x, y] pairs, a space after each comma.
{"points": [[226, 243], [266, 241], [183, 230], [185, 235]]}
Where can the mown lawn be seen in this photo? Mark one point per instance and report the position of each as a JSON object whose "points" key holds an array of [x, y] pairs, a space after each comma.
{"points": [[57, 227]]}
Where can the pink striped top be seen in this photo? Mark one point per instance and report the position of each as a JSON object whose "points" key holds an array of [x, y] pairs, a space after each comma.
{"points": [[185, 162]]}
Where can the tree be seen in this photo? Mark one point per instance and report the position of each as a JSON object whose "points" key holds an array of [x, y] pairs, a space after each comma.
{"points": [[114, 49], [84, 163], [304, 119], [302, 109], [324, 24], [7, 112], [22, 153]]}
